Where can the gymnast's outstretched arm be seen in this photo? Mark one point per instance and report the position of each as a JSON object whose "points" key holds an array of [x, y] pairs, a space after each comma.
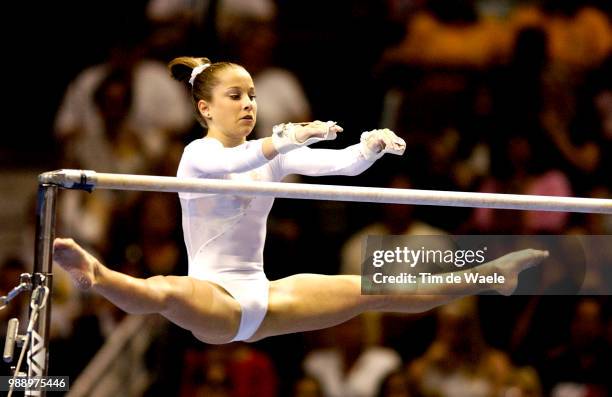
{"points": [[321, 162], [209, 158], [351, 161]]}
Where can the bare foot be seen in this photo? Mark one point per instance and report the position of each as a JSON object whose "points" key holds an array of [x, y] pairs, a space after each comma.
{"points": [[510, 265], [79, 264]]}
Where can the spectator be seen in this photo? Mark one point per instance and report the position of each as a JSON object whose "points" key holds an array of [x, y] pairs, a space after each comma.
{"points": [[123, 100], [584, 360], [582, 132], [146, 239], [580, 35], [115, 117], [451, 34], [236, 369], [396, 219], [521, 159], [350, 368], [180, 27], [459, 362]]}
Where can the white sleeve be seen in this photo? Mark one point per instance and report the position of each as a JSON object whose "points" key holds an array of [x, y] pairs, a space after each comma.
{"points": [[208, 157], [320, 162]]}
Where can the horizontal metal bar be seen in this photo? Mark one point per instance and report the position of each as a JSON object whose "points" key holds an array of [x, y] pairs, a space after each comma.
{"points": [[88, 180]]}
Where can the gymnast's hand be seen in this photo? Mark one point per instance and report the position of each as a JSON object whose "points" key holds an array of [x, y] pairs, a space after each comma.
{"points": [[289, 136], [375, 143], [317, 131]]}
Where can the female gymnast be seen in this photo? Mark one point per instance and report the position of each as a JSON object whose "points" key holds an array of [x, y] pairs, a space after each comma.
{"points": [[226, 296]]}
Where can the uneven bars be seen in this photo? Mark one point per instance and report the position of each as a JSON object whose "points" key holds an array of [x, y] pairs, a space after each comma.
{"points": [[89, 180]]}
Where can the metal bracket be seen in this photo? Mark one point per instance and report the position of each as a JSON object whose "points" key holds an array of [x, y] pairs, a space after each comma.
{"points": [[65, 178], [38, 301], [25, 284]]}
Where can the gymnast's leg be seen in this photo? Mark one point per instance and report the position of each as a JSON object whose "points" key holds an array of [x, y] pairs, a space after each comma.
{"points": [[204, 308], [306, 302]]}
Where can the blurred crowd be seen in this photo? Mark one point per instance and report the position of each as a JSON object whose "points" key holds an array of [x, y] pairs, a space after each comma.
{"points": [[500, 96]]}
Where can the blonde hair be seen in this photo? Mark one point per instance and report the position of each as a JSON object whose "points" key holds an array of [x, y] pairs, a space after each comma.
{"points": [[180, 68]]}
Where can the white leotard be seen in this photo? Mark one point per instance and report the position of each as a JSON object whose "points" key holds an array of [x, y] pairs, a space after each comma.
{"points": [[225, 234]]}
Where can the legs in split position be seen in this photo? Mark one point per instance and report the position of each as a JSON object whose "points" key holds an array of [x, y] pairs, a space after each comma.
{"points": [[306, 302], [203, 308], [297, 303]]}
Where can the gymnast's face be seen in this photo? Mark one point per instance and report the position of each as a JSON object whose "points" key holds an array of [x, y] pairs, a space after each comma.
{"points": [[232, 111]]}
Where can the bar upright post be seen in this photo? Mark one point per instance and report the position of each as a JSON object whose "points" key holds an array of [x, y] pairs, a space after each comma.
{"points": [[38, 351]]}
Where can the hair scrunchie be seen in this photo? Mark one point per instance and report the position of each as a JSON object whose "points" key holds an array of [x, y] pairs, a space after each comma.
{"points": [[196, 71]]}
